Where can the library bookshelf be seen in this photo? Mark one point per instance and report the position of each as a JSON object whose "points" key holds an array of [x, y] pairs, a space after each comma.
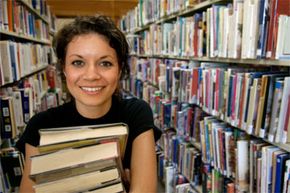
{"points": [[28, 81], [215, 77]]}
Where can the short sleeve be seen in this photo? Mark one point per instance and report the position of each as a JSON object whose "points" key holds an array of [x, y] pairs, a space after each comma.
{"points": [[140, 118]]}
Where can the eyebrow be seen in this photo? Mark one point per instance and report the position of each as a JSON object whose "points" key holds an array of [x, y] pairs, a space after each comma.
{"points": [[103, 57]]}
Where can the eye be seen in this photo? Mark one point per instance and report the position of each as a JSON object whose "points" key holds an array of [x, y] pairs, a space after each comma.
{"points": [[77, 63], [106, 64]]}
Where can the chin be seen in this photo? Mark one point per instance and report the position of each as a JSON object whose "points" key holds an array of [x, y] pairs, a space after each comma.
{"points": [[93, 101]]}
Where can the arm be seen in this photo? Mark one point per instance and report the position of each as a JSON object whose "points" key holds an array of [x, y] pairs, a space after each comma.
{"points": [[144, 164], [26, 183]]}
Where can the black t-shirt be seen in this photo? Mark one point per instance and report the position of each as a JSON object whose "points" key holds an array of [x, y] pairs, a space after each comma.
{"points": [[136, 113]]}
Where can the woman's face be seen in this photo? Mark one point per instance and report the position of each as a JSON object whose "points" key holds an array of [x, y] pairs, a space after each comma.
{"points": [[92, 71]]}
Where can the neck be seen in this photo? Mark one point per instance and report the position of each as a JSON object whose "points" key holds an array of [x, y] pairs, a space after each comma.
{"points": [[93, 112]]}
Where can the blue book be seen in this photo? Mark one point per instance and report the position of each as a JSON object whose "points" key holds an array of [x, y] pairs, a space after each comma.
{"points": [[280, 164], [25, 104], [167, 114], [263, 26], [13, 61], [230, 95]]}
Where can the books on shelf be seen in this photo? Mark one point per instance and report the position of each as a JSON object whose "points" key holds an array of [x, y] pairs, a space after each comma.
{"points": [[25, 53], [91, 155], [256, 29], [237, 32], [12, 165], [17, 18], [21, 59]]}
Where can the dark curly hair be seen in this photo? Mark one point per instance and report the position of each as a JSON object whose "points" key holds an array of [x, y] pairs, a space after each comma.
{"points": [[100, 24]]}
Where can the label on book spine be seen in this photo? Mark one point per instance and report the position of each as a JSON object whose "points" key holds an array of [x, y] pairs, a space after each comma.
{"points": [[284, 137], [250, 129], [262, 133], [271, 137]]}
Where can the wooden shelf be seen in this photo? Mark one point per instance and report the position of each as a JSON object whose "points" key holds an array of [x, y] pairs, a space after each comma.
{"points": [[40, 68], [264, 62], [23, 37]]}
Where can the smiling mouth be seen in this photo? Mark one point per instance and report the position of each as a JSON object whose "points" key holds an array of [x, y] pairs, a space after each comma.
{"points": [[91, 89]]}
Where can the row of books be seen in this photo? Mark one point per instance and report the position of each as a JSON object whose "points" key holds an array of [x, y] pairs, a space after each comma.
{"points": [[238, 30], [40, 6], [205, 177], [227, 154], [151, 11], [186, 157], [21, 59], [170, 178], [19, 103], [214, 181], [16, 17], [27, 84], [255, 100], [255, 165], [11, 169]]}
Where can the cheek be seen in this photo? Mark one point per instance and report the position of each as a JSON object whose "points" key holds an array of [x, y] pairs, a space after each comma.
{"points": [[71, 76], [115, 77]]}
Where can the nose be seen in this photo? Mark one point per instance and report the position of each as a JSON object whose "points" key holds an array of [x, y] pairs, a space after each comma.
{"points": [[92, 72]]}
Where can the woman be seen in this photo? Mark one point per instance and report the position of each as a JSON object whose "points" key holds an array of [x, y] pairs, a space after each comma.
{"points": [[93, 54]]}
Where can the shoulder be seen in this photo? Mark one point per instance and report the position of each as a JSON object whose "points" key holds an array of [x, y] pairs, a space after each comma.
{"points": [[137, 114], [46, 118], [134, 105]]}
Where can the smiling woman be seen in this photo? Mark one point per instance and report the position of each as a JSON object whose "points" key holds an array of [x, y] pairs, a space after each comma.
{"points": [[93, 54], [92, 73]]}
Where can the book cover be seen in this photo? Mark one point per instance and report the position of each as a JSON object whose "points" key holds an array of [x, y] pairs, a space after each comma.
{"points": [[12, 165], [280, 134], [67, 134], [71, 157], [287, 122], [242, 165], [269, 101], [6, 62], [263, 26], [85, 182], [58, 174], [286, 177], [276, 109], [279, 177], [281, 8], [8, 129]]}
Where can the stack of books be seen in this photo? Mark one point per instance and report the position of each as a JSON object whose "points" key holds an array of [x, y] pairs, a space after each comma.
{"points": [[80, 159]]}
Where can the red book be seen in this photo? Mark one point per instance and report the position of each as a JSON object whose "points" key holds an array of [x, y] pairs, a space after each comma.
{"points": [[217, 87], [194, 85], [10, 15], [277, 8]]}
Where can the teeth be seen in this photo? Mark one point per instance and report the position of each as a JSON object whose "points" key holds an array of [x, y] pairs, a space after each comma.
{"points": [[90, 89]]}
